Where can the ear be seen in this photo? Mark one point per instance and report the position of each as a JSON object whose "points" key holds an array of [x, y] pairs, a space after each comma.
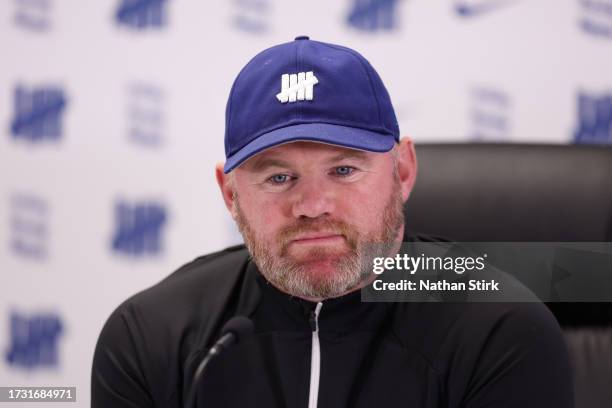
{"points": [[227, 188], [407, 166]]}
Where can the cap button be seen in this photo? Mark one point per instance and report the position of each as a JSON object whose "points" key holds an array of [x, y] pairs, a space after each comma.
{"points": [[302, 37]]}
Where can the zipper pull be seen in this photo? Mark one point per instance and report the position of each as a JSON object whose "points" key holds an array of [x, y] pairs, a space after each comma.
{"points": [[313, 318]]}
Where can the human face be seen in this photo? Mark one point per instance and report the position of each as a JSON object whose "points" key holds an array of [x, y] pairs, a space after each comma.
{"points": [[314, 215]]}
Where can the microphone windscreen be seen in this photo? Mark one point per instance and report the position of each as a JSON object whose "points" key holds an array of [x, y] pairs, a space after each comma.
{"points": [[240, 326]]}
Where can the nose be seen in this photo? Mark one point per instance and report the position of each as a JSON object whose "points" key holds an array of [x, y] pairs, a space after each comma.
{"points": [[313, 198]]}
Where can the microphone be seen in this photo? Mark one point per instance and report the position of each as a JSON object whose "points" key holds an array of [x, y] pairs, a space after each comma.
{"points": [[232, 332]]}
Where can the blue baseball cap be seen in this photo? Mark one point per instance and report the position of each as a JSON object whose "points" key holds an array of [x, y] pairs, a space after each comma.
{"points": [[310, 91]]}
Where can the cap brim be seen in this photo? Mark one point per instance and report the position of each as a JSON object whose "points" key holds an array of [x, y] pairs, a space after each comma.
{"points": [[353, 138]]}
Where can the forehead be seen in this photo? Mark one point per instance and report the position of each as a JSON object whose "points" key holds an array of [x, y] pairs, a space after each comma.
{"points": [[306, 152]]}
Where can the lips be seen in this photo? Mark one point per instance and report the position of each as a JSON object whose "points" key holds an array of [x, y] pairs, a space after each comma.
{"points": [[317, 237]]}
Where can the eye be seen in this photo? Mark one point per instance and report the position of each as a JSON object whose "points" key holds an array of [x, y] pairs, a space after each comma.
{"points": [[279, 179], [344, 171]]}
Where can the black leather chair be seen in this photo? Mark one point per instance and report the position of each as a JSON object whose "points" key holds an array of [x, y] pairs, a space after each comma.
{"points": [[527, 192]]}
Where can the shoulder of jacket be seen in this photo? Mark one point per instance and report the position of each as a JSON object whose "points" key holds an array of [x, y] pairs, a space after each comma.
{"points": [[203, 281], [230, 258], [152, 326], [436, 330]]}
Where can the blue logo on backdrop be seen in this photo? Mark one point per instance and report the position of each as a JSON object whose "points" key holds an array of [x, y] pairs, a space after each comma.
{"points": [[34, 341], [597, 17], [139, 228], [252, 16], [490, 114], [33, 15], [141, 14], [373, 15], [594, 119], [28, 224], [38, 114], [471, 8], [146, 116]]}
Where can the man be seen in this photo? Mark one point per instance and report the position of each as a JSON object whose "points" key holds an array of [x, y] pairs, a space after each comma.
{"points": [[316, 177]]}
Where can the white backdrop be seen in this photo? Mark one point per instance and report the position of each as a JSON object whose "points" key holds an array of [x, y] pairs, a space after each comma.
{"points": [[112, 118]]}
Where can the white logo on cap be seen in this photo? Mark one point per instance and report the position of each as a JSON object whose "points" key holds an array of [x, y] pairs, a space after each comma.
{"points": [[297, 87]]}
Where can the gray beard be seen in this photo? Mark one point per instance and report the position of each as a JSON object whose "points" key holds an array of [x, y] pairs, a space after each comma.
{"points": [[353, 269]]}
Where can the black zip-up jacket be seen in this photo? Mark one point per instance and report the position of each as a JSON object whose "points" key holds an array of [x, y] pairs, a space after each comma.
{"points": [[422, 355]]}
